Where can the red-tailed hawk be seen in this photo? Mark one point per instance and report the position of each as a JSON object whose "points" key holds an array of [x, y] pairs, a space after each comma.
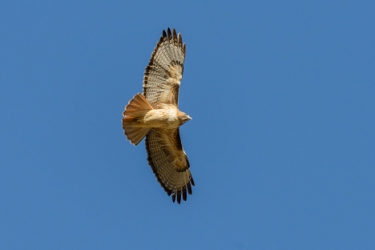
{"points": [[155, 114]]}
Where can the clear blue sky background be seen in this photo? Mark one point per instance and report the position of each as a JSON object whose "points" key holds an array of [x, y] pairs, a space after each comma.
{"points": [[281, 145]]}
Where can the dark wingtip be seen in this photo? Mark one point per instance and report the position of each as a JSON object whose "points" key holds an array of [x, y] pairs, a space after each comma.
{"points": [[174, 34], [184, 194], [179, 196], [169, 33]]}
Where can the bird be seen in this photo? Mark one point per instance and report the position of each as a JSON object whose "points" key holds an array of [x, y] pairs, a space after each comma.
{"points": [[155, 114]]}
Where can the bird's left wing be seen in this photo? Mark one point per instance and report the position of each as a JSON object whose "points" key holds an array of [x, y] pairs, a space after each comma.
{"points": [[169, 162]]}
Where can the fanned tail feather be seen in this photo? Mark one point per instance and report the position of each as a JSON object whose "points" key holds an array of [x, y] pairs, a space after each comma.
{"points": [[136, 108], [135, 111]]}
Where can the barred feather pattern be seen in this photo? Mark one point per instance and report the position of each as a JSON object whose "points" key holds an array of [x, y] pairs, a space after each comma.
{"points": [[164, 72], [169, 162]]}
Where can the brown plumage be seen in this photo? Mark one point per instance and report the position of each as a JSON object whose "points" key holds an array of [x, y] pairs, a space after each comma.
{"points": [[155, 114]]}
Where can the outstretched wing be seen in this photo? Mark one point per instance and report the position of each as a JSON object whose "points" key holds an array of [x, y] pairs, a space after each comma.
{"points": [[169, 162], [161, 81]]}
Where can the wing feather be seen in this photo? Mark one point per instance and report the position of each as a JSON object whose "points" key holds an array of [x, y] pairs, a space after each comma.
{"points": [[163, 75], [169, 162]]}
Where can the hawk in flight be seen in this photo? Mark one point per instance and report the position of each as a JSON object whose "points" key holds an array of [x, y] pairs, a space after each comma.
{"points": [[155, 114]]}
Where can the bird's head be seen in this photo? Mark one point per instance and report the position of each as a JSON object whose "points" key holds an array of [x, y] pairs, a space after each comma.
{"points": [[183, 117]]}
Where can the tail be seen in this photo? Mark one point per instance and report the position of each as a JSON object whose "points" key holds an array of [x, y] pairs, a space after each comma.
{"points": [[134, 111]]}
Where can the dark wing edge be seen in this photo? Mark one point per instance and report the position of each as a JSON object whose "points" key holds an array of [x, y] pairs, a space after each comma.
{"points": [[163, 146], [164, 72]]}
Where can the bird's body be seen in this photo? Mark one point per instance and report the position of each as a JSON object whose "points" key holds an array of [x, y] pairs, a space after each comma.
{"points": [[167, 117], [155, 114], [162, 118]]}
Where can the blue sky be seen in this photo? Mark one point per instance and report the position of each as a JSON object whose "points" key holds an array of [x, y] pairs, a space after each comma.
{"points": [[281, 145]]}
